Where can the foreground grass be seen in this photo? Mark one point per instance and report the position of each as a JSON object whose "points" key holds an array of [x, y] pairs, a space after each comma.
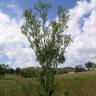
{"points": [[18, 86], [76, 84]]}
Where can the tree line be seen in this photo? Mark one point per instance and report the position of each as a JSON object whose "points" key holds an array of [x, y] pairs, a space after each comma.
{"points": [[89, 66], [34, 72], [24, 72]]}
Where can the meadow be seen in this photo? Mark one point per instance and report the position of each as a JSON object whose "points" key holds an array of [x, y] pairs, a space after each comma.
{"points": [[72, 84]]}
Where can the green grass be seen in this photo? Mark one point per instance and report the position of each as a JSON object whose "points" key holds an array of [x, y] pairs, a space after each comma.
{"points": [[77, 84]]}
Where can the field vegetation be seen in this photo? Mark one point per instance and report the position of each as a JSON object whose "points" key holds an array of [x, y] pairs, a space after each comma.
{"points": [[72, 84]]}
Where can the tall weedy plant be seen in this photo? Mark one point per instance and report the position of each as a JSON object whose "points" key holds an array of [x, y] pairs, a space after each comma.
{"points": [[48, 41]]}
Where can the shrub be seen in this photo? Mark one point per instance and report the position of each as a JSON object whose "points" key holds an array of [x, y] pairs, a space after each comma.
{"points": [[29, 72], [79, 68], [2, 70], [18, 71], [66, 93]]}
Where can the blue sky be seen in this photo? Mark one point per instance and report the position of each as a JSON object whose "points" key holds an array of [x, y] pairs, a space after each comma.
{"points": [[7, 6], [14, 46], [55, 3]]}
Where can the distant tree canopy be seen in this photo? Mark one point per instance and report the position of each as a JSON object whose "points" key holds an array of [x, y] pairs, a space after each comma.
{"points": [[18, 70], [2, 70], [11, 71], [5, 69], [90, 65], [79, 68], [30, 72]]}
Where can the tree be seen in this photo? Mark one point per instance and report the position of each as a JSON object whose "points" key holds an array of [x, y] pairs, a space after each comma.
{"points": [[3, 69], [48, 41], [79, 68], [18, 70], [10, 71], [90, 65], [29, 72], [94, 65]]}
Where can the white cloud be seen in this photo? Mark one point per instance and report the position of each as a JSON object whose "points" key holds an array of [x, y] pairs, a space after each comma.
{"points": [[14, 44], [3, 18], [83, 47]]}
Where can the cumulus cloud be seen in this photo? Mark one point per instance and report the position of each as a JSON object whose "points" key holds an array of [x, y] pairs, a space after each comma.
{"points": [[13, 43], [82, 27]]}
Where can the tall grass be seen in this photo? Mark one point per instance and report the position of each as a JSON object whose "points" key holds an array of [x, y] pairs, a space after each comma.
{"points": [[72, 84]]}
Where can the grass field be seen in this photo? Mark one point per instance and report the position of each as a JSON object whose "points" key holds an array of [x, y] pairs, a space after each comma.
{"points": [[76, 84]]}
